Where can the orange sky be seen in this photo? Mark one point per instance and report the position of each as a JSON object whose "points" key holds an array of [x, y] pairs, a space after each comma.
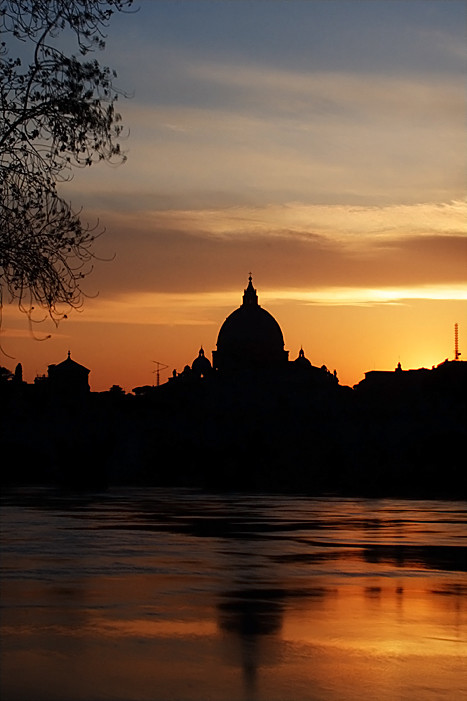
{"points": [[319, 145]]}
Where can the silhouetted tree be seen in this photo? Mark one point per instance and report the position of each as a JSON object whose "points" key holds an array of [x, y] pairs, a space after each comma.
{"points": [[18, 376], [57, 111], [5, 374], [117, 391]]}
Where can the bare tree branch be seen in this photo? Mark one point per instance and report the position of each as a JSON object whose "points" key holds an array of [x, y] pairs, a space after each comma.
{"points": [[57, 113]]}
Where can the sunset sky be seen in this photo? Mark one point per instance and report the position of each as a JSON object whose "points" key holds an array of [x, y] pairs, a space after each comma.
{"points": [[319, 144]]}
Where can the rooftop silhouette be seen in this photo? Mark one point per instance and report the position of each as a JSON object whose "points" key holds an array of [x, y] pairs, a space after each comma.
{"points": [[251, 419]]}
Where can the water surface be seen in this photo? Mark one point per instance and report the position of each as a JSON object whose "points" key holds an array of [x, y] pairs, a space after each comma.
{"points": [[168, 595]]}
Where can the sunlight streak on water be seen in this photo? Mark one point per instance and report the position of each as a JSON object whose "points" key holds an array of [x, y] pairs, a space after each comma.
{"points": [[176, 594]]}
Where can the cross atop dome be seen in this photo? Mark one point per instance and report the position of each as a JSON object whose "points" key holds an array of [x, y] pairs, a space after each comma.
{"points": [[249, 295]]}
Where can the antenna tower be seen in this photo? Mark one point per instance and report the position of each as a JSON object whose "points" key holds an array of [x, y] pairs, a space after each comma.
{"points": [[457, 354], [159, 367]]}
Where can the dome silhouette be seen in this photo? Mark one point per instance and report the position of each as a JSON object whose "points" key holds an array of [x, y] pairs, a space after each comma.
{"points": [[250, 337], [302, 362], [201, 365]]}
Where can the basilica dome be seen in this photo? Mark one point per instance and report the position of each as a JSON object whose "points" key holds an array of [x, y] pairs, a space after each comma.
{"points": [[250, 337]]}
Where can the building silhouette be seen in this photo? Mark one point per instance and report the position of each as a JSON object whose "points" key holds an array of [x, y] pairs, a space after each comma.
{"points": [[68, 378], [250, 338], [201, 367], [251, 419], [250, 349]]}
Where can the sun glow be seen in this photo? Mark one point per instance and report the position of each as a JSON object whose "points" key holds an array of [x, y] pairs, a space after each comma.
{"points": [[369, 296]]}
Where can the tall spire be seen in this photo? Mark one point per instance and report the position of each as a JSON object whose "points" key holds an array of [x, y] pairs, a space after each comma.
{"points": [[249, 296]]}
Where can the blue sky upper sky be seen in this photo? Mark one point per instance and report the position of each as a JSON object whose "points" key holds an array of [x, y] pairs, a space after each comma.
{"points": [[323, 102]]}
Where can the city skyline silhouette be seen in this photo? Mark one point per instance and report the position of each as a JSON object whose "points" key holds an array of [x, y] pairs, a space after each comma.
{"points": [[313, 143]]}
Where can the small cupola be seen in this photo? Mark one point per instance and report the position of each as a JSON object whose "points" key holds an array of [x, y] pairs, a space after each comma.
{"points": [[201, 367]]}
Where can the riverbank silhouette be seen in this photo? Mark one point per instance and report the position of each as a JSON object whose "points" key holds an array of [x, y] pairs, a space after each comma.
{"points": [[401, 434], [250, 420]]}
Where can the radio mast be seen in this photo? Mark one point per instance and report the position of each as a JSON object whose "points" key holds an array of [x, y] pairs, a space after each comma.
{"points": [[457, 354], [159, 367]]}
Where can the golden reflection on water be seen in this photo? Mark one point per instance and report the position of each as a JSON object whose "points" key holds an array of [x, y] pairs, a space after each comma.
{"points": [[397, 619], [327, 608]]}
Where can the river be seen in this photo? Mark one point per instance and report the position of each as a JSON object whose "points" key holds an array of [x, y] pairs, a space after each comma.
{"points": [[178, 595]]}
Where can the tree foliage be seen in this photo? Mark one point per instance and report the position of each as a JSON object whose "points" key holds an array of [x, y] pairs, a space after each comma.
{"points": [[5, 374], [57, 112]]}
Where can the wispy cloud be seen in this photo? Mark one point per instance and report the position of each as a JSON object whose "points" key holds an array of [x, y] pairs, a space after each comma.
{"points": [[338, 222], [288, 245], [368, 152], [207, 308], [355, 296], [310, 95]]}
